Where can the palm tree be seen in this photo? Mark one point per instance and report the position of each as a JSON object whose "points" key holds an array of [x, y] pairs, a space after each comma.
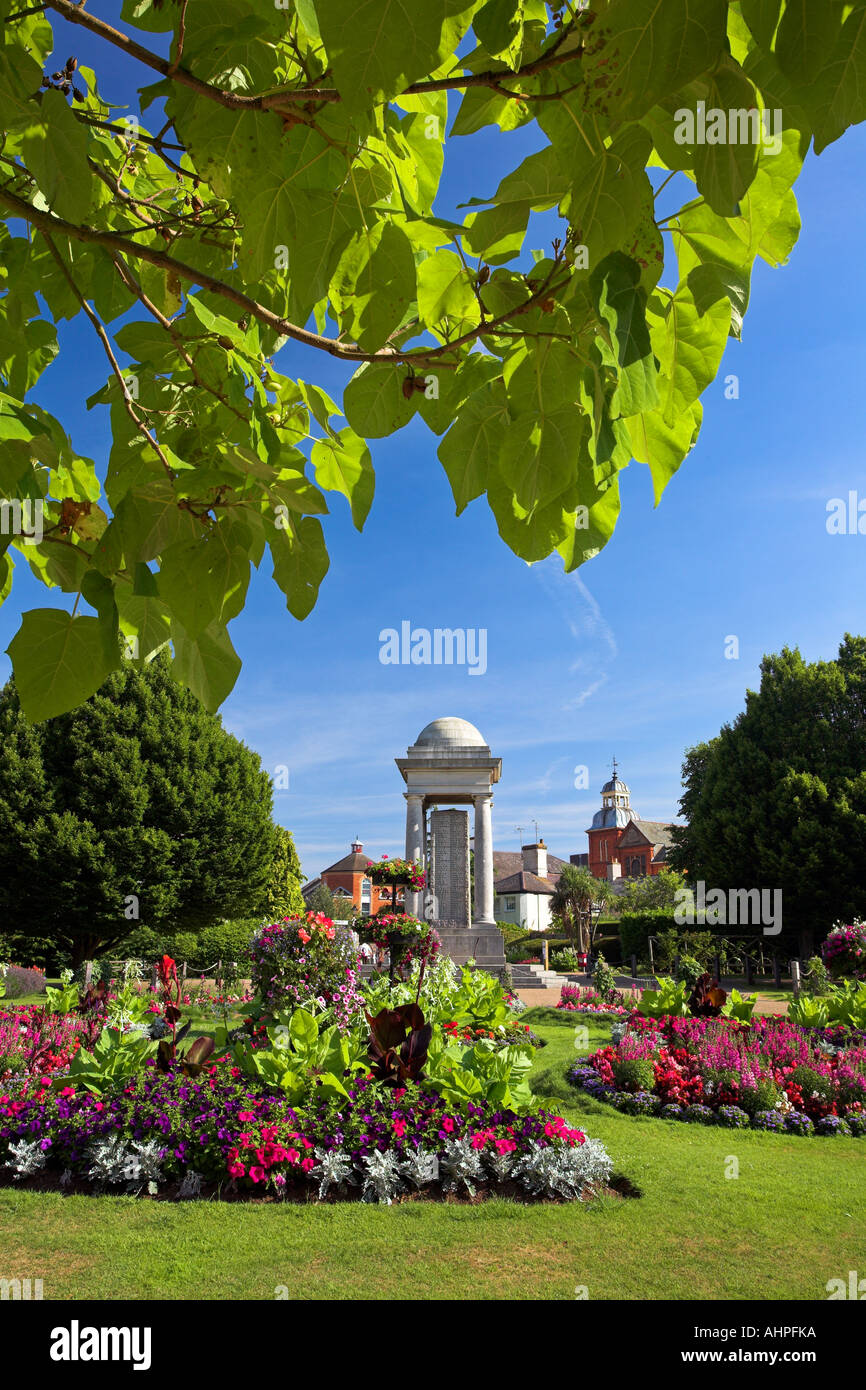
{"points": [[577, 896]]}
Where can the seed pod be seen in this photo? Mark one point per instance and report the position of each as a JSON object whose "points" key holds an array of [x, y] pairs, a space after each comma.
{"points": [[77, 93], [71, 64]]}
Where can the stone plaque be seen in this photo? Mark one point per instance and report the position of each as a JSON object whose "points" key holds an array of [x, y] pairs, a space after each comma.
{"points": [[449, 867]]}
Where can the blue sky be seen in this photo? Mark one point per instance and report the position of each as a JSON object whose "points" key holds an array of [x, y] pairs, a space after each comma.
{"points": [[627, 655]]}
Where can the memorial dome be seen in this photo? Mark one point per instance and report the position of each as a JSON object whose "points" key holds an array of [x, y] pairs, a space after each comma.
{"points": [[450, 733]]}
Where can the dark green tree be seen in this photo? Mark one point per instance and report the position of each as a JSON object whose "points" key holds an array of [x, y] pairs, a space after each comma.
{"points": [[778, 799], [284, 888], [136, 809], [321, 899]]}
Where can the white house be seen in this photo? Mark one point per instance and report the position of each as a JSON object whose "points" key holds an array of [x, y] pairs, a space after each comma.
{"points": [[524, 884]]}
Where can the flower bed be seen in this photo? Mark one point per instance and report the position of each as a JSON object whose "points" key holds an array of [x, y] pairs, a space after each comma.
{"points": [[34, 1043], [585, 1000], [772, 1074], [169, 1133], [505, 1035]]}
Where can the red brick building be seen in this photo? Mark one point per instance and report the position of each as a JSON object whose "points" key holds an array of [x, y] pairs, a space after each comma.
{"points": [[621, 845], [348, 879]]}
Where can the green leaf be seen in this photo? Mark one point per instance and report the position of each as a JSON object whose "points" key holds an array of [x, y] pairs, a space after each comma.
{"points": [[807, 37], [837, 98], [148, 522], [690, 346], [540, 455], [58, 661], [146, 619], [378, 47], [208, 664], [496, 234], [55, 151], [725, 170], [472, 445], [343, 464], [621, 306], [663, 446], [374, 284], [445, 292], [300, 564], [374, 402], [206, 581], [650, 48]]}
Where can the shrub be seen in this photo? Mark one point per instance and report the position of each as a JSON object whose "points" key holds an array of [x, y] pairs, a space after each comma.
{"points": [[832, 1125], [604, 979], [633, 1073], [307, 959], [771, 1120], [671, 1112], [798, 1123], [816, 978], [732, 1117], [227, 941], [812, 1083], [20, 981], [763, 1096], [699, 1114], [565, 960]]}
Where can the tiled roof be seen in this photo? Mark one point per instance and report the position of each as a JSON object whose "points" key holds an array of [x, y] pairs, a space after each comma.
{"points": [[523, 883], [506, 861], [657, 832]]}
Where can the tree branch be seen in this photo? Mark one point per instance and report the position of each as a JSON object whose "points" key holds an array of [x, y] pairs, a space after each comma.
{"points": [[436, 356], [109, 352], [238, 101]]}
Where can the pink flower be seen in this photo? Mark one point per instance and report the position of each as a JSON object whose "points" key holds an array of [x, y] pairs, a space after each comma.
{"points": [[257, 1174], [293, 1155], [448, 1124], [237, 1170], [307, 1164]]}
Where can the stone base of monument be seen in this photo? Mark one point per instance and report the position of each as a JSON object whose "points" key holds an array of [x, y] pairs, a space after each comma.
{"points": [[482, 942]]}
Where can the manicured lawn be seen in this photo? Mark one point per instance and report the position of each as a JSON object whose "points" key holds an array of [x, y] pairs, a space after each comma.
{"points": [[794, 1218]]}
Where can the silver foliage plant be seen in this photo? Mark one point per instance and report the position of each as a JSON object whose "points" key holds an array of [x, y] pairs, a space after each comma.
{"points": [[111, 1161], [563, 1172], [463, 1164], [25, 1158], [382, 1180], [335, 1167]]}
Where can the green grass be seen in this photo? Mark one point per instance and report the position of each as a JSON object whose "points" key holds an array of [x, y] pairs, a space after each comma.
{"points": [[794, 1218]]}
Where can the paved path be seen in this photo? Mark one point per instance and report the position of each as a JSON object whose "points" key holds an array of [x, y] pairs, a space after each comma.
{"points": [[550, 997]]}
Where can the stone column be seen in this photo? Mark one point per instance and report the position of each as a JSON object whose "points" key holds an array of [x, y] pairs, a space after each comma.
{"points": [[484, 860], [414, 846]]}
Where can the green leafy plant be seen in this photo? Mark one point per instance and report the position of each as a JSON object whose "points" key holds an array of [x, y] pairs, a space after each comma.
{"points": [[470, 1075], [739, 1006], [65, 999], [671, 997], [194, 265], [114, 1059], [633, 1073], [301, 1059], [809, 1012]]}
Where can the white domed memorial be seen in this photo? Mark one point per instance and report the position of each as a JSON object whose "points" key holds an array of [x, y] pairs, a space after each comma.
{"points": [[450, 766]]}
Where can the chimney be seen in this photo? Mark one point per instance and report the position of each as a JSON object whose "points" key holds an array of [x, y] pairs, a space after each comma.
{"points": [[535, 859], [614, 871], [357, 846]]}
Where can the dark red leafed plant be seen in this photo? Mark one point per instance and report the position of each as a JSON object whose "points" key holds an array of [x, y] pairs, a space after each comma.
{"points": [[93, 1003], [399, 1040], [192, 1061], [707, 997]]}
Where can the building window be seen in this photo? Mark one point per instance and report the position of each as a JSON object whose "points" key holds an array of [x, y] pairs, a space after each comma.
{"points": [[366, 894], [510, 904]]}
